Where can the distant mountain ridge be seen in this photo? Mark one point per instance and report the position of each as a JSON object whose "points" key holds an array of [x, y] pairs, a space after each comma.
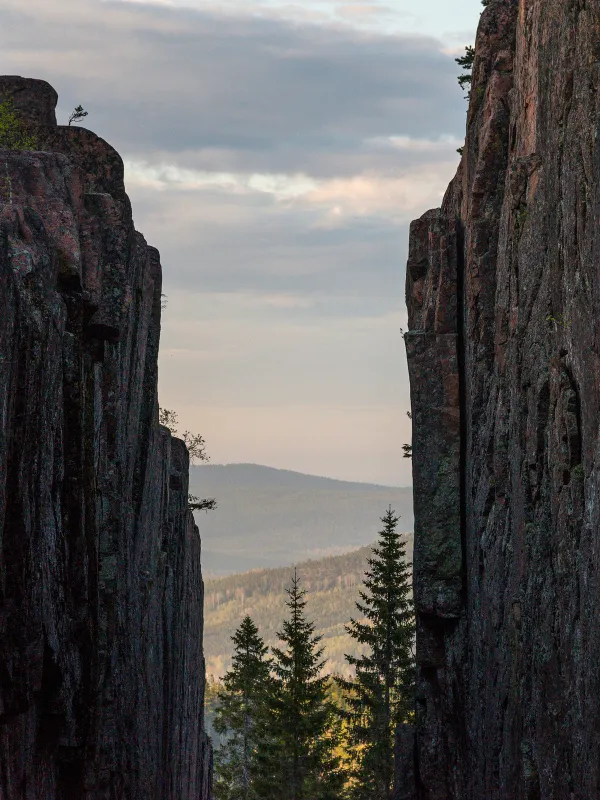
{"points": [[268, 517], [261, 475]]}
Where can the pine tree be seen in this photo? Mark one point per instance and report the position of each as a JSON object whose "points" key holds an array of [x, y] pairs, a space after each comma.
{"points": [[466, 62], [240, 716], [381, 696], [298, 762]]}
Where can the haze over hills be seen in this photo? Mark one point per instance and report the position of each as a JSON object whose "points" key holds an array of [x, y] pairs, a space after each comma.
{"points": [[267, 517]]}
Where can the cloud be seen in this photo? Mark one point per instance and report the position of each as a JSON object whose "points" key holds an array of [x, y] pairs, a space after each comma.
{"points": [[341, 237], [439, 18], [396, 198], [211, 242], [227, 89], [353, 10], [396, 195], [161, 176], [330, 12]]}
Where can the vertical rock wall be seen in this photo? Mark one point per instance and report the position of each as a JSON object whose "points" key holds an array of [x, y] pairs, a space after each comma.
{"points": [[433, 348], [506, 402], [101, 661]]}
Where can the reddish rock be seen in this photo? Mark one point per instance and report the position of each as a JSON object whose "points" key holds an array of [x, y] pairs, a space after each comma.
{"points": [[35, 100], [507, 687], [101, 661]]}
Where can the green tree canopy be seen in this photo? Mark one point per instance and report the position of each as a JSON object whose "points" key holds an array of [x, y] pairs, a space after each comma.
{"points": [[381, 696], [299, 760], [240, 716], [466, 62]]}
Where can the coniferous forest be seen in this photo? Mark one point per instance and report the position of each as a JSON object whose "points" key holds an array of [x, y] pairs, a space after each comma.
{"points": [[331, 584], [290, 731]]}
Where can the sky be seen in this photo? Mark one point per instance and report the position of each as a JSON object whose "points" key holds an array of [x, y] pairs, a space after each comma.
{"points": [[275, 154]]}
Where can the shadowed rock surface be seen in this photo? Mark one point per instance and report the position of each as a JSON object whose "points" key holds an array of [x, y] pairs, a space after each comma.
{"points": [[503, 291], [101, 662]]}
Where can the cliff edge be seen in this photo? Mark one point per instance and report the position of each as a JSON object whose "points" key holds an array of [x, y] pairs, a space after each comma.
{"points": [[101, 662], [503, 293]]}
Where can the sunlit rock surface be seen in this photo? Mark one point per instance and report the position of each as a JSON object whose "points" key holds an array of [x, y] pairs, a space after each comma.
{"points": [[101, 662]]}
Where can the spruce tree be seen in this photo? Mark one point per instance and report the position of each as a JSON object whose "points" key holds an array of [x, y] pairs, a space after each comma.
{"points": [[298, 761], [466, 62], [240, 716], [381, 696]]}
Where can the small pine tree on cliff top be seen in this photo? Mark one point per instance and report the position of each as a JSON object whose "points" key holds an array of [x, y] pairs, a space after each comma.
{"points": [[77, 114]]}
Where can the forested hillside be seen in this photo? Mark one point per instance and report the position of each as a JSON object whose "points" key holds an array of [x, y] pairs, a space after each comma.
{"points": [[332, 586], [268, 517]]}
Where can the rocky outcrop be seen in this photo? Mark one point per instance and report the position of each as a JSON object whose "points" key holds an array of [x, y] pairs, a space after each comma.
{"points": [[101, 661], [433, 348], [503, 295]]}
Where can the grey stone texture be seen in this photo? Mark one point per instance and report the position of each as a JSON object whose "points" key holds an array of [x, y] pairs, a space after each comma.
{"points": [[506, 401], [101, 593]]}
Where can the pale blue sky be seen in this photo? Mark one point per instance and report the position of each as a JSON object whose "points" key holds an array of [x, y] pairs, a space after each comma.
{"points": [[275, 154]]}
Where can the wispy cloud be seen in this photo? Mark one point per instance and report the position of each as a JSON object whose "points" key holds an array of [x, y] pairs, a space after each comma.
{"points": [[277, 96], [432, 17]]}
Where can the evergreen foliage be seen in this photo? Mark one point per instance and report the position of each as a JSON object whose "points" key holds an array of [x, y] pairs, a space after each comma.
{"points": [[239, 716], [381, 696], [299, 760], [77, 114], [331, 585], [466, 62], [13, 132], [196, 504]]}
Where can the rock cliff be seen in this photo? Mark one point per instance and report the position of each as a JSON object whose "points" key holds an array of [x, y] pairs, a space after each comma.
{"points": [[503, 292], [101, 662]]}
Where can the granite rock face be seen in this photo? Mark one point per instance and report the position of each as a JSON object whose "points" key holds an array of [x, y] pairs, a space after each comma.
{"points": [[101, 594], [503, 291]]}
